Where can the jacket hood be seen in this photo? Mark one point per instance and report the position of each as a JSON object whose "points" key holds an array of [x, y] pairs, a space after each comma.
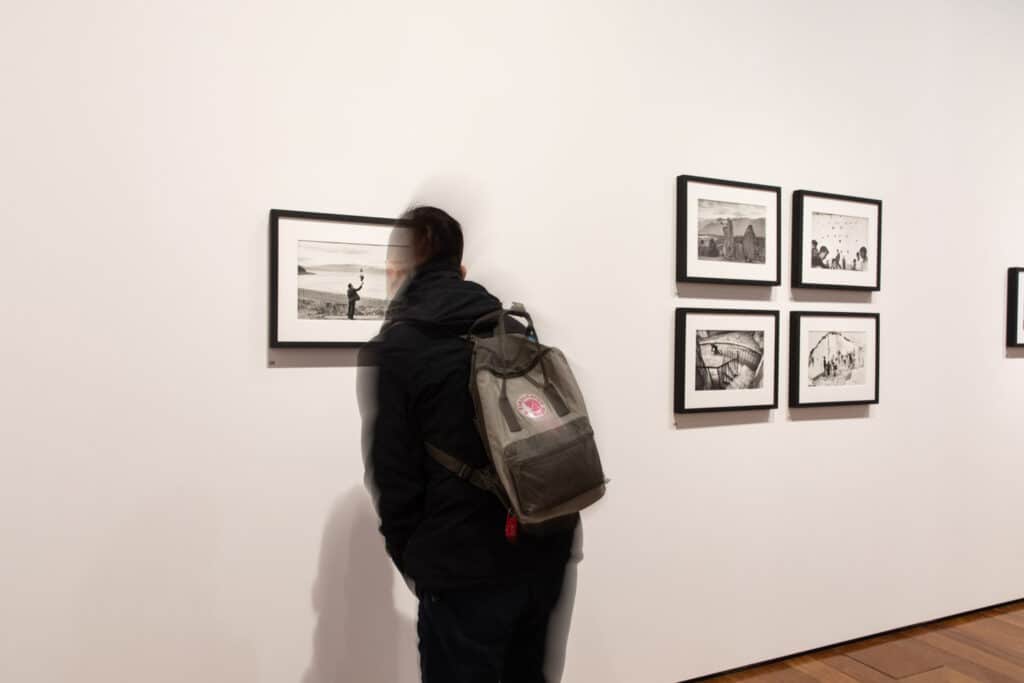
{"points": [[437, 295]]}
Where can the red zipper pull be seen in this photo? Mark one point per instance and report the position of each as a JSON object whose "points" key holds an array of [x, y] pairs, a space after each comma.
{"points": [[511, 527]]}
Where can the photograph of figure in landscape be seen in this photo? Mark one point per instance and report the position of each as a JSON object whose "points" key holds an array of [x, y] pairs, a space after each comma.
{"points": [[836, 358], [729, 231], [341, 281], [839, 242], [729, 360]]}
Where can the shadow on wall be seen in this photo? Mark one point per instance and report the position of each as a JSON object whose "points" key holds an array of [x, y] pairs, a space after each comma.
{"points": [[359, 635], [561, 616], [692, 290], [720, 419]]}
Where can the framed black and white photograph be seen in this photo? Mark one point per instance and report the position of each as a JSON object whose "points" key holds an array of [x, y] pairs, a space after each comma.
{"points": [[328, 277], [833, 358], [1015, 308], [837, 241], [727, 232], [726, 359]]}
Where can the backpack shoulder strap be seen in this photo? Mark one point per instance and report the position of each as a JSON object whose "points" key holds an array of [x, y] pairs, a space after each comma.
{"points": [[484, 479]]}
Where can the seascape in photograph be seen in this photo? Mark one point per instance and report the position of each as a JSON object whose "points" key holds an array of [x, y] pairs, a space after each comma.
{"points": [[341, 281]]}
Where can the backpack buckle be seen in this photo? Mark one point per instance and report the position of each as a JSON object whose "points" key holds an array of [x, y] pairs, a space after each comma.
{"points": [[465, 471]]}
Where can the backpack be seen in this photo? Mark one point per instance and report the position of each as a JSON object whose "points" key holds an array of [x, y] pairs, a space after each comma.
{"points": [[533, 422]]}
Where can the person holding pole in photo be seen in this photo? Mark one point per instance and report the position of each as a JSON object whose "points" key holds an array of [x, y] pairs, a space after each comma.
{"points": [[353, 296]]}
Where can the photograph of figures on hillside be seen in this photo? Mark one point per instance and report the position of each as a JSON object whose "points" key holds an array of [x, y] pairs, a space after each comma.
{"points": [[726, 359], [329, 281], [341, 281], [836, 241], [730, 231], [729, 360], [727, 231], [833, 358]]}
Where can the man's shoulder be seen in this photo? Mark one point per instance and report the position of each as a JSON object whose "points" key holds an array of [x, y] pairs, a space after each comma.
{"points": [[398, 337]]}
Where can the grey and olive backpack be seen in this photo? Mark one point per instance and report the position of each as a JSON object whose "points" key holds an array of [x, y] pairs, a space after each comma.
{"points": [[534, 425]]}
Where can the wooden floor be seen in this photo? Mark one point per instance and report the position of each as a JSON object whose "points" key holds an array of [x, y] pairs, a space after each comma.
{"points": [[985, 646]]}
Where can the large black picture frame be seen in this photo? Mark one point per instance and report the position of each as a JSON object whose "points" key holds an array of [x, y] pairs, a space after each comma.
{"points": [[798, 352], [869, 280], [683, 374], [1015, 308], [278, 337], [689, 263]]}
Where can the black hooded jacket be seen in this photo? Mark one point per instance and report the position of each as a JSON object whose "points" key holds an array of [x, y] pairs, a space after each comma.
{"points": [[440, 530]]}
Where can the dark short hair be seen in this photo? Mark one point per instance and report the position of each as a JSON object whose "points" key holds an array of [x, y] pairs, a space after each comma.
{"points": [[436, 236]]}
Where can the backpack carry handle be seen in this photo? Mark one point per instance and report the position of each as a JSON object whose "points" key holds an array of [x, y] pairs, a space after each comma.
{"points": [[500, 315], [502, 334]]}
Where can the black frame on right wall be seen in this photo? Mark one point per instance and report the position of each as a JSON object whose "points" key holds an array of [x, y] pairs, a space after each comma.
{"points": [[1014, 301]]}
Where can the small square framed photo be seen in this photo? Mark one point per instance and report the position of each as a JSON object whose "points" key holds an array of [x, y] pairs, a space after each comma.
{"points": [[328, 280], [726, 360], [837, 241], [1015, 308], [727, 232], [833, 358]]}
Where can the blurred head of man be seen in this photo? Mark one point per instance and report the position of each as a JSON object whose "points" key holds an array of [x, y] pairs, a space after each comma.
{"points": [[424, 235]]}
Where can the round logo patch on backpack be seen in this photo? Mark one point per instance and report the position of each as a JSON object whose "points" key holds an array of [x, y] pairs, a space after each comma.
{"points": [[529, 405]]}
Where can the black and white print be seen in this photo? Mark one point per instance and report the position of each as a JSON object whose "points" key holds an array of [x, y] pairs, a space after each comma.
{"points": [[727, 232], [839, 242], [836, 358], [726, 359], [836, 241], [730, 231], [729, 360], [341, 281], [833, 358], [329, 283]]}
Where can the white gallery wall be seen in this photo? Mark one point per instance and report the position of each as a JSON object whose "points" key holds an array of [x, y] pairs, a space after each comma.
{"points": [[178, 503]]}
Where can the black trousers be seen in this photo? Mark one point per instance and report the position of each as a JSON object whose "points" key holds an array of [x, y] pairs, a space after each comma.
{"points": [[487, 635]]}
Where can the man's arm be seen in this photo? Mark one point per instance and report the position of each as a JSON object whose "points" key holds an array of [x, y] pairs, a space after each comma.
{"points": [[395, 464]]}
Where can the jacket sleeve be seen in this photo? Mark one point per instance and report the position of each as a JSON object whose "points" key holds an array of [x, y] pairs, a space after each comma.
{"points": [[395, 462]]}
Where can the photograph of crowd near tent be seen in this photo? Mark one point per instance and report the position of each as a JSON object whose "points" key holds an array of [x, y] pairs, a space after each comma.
{"points": [[729, 360], [730, 231], [835, 358], [839, 242], [341, 281]]}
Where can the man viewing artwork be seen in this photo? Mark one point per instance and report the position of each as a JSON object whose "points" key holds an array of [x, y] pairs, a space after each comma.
{"points": [[485, 599]]}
